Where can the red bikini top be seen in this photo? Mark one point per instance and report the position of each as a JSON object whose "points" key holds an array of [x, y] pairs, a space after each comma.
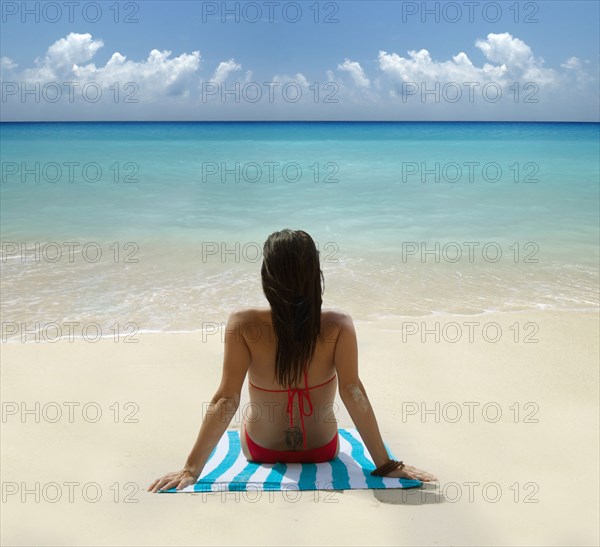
{"points": [[301, 392]]}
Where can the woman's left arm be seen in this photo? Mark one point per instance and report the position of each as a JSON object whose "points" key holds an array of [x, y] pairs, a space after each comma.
{"points": [[221, 409]]}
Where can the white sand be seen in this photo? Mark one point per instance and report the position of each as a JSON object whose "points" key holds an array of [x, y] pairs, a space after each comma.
{"points": [[553, 461]]}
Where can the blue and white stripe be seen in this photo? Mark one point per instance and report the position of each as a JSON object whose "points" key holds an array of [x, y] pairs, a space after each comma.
{"points": [[228, 470]]}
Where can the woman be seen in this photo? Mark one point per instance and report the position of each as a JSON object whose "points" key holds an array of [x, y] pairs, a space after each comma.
{"points": [[296, 344]]}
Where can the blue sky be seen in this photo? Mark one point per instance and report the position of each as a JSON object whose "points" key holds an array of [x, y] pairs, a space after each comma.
{"points": [[553, 44]]}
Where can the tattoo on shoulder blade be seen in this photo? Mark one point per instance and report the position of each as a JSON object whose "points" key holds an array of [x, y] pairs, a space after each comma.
{"points": [[293, 437]]}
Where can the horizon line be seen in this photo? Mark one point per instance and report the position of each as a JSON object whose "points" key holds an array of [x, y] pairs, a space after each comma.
{"points": [[297, 121]]}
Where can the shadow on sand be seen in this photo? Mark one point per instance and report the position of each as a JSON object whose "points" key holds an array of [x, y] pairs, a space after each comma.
{"points": [[428, 493]]}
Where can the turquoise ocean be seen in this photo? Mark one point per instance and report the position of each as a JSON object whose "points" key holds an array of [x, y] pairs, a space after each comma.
{"points": [[162, 224]]}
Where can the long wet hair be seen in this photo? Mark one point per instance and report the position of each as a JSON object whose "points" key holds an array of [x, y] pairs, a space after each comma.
{"points": [[292, 281]]}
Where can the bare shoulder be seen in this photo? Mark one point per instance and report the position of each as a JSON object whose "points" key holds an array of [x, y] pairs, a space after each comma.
{"points": [[245, 316], [334, 322], [337, 317]]}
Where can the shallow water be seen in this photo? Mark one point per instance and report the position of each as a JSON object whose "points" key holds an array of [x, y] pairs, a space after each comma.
{"points": [[161, 224]]}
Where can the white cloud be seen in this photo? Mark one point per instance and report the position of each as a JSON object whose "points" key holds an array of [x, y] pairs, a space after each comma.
{"points": [[224, 69], [291, 87], [159, 74], [574, 70], [420, 67], [572, 63], [62, 56], [507, 50], [510, 59], [174, 83], [71, 50], [7, 64], [283, 79], [356, 72]]}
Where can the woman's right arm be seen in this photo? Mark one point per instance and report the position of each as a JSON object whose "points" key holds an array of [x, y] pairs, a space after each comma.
{"points": [[355, 399]]}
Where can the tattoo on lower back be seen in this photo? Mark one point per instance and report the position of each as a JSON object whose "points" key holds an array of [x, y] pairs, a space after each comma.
{"points": [[293, 437]]}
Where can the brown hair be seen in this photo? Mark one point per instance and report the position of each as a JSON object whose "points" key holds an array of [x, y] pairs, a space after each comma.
{"points": [[292, 282]]}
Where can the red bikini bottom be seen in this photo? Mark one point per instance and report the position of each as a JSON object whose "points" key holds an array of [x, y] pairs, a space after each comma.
{"points": [[313, 455]]}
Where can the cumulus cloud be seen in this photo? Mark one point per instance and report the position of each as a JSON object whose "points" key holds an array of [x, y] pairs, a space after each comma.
{"points": [[224, 69], [572, 63], [68, 60], [506, 50], [574, 69], [420, 67], [176, 79], [62, 57], [71, 50], [291, 88], [159, 72], [283, 79], [510, 59], [507, 61], [356, 72], [7, 64]]}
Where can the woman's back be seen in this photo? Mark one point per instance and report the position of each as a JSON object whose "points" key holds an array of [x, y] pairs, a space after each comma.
{"points": [[312, 410], [283, 423]]}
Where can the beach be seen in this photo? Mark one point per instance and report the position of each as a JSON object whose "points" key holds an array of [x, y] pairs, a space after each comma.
{"points": [[510, 428], [161, 165], [466, 253]]}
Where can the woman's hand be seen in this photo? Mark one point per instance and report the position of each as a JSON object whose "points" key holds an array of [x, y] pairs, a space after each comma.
{"points": [[410, 472], [179, 479]]}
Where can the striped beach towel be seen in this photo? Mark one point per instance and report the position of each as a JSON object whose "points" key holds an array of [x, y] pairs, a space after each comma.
{"points": [[228, 470]]}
